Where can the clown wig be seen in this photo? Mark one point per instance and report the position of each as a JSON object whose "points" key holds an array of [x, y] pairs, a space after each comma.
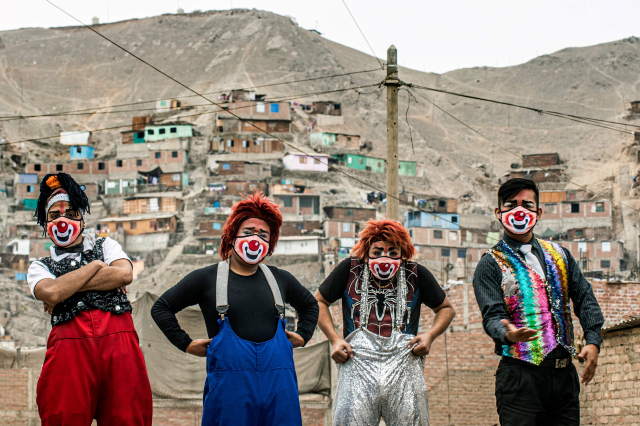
{"points": [[256, 206], [60, 182], [384, 230]]}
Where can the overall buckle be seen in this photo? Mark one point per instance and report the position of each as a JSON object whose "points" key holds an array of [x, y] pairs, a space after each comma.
{"points": [[562, 363]]}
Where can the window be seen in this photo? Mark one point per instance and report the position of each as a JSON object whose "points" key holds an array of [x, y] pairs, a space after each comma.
{"points": [[579, 233], [158, 154], [605, 264], [173, 130], [256, 143], [445, 252], [437, 234], [118, 163], [150, 132], [79, 150], [162, 131], [349, 213], [550, 208], [138, 163], [226, 166], [462, 254], [346, 227], [299, 226], [600, 207], [245, 144], [306, 202], [379, 164], [271, 124], [453, 236], [349, 160], [303, 160], [217, 226], [176, 177], [133, 225], [454, 219], [575, 207], [29, 188], [336, 106], [37, 167], [140, 135], [360, 160], [80, 166], [260, 107], [287, 201], [174, 154], [101, 166], [58, 167], [230, 143], [275, 108], [442, 203], [606, 246], [163, 103], [348, 138]]}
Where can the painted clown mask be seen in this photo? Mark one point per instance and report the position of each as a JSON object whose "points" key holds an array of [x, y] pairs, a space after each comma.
{"points": [[251, 248], [519, 220], [64, 225], [384, 268]]}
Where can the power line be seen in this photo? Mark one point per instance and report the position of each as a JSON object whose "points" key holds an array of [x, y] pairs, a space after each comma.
{"points": [[20, 117], [521, 157], [363, 36]]}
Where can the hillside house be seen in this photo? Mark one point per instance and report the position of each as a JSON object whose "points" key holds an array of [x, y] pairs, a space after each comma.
{"points": [[340, 140], [243, 168], [437, 205], [420, 219], [327, 108], [246, 145], [80, 151], [245, 187], [374, 164], [540, 160], [315, 163], [590, 234], [149, 203], [75, 138], [305, 207], [88, 167], [166, 176], [292, 227], [141, 233], [553, 174], [596, 255], [159, 132], [350, 214], [446, 237], [133, 136], [211, 228], [298, 245], [119, 186], [31, 191], [339, 229], [167, 105], [255, 116], [290, 186], [566, 215]]}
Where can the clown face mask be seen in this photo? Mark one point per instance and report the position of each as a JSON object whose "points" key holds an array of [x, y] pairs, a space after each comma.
{"points": [[251, 248], [384, 268], [64, 231], [518, 220]]}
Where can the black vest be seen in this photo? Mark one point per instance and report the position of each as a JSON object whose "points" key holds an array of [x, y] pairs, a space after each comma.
{"points": [[108, 301]]}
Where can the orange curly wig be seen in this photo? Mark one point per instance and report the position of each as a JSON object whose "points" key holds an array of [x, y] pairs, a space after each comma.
{"points": [[384, 230], [256, 206]]}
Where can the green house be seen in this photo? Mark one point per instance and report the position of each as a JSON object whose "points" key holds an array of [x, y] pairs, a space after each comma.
{"points": [[159, 132], [354, 161], [326, 139], [407, 168], [376, 165], [119, 186], [138, 137]]}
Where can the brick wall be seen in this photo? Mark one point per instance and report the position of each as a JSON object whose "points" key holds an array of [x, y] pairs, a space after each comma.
{"points": [[17, 397]]}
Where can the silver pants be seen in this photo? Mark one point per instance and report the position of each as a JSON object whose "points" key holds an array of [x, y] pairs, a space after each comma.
{"points": [[384, 379]]}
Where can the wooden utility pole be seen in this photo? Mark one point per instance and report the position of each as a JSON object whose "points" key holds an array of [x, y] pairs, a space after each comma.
{"points": [[392, 84]]}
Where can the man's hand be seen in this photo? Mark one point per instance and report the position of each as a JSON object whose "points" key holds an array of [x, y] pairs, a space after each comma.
{"points": [[48, 308], [590, 354], [423, 344], [295, 339], [341, 351], [198, 347], [123, 289], [518, 334]]}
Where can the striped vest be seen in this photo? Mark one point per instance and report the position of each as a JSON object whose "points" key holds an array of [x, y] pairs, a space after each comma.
{"points": [[534, 302]]}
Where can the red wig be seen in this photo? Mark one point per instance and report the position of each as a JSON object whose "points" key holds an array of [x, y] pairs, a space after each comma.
{"points": [[256, 206], [386, 230]]}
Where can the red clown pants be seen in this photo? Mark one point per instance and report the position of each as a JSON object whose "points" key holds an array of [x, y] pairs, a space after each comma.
{"points": [[94, 368]]}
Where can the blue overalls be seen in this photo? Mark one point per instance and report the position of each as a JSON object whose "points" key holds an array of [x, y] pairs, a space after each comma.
{"points": [[250, 384]]}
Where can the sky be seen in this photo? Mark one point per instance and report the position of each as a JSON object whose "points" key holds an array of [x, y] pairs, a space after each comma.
{"points": [[433, 36]]}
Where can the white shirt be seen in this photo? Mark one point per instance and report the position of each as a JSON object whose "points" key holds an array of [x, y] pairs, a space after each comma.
{"points": [[38, 271]]}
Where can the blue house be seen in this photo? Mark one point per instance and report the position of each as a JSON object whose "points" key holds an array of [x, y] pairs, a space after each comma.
{"points": [[83, 151], [421, 219]]}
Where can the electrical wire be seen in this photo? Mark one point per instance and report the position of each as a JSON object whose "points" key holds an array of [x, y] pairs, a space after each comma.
{"points": [[521, 157], [363, 36]]}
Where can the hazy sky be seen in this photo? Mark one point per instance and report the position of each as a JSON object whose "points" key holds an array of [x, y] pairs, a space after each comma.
{"points": [[430, 36]]}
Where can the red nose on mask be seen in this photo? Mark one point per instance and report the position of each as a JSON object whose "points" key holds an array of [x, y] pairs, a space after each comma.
{"points": [[62, 226], [384, 267], [254, 245], [519, 216]]}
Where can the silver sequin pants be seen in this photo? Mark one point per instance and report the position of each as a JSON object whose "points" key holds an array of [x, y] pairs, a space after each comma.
{"points": [[384, 379]]}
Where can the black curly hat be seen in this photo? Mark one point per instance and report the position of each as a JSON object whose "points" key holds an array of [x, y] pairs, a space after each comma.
{"points": [[53, 182]]}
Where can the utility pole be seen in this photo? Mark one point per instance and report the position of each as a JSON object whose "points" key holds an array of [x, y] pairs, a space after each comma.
{"points": [[392, 84]]}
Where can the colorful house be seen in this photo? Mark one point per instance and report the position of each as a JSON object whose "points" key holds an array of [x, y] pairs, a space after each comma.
{"points": [[315, 163], [81, 152], [407, 168], [158, 132], [376, 165], [420, 219]]}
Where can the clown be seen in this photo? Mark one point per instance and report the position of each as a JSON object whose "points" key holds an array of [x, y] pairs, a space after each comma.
{"points": [[381, 356], [251, 378], [524, 288], [93, 368]]}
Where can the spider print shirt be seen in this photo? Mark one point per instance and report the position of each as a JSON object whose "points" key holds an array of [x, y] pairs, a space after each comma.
{"points": [[345, 282]]}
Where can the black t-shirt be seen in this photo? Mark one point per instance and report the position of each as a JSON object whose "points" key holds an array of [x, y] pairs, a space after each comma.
{"points": [[252, 312], [425, 288]]}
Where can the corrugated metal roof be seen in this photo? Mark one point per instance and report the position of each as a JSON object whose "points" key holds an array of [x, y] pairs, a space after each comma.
{"points": [[622, 325]]}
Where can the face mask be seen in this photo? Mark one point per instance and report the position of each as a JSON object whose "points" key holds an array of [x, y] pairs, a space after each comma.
{"points": [[519, 220], [252, 249], [384, 268], [64, 231]]}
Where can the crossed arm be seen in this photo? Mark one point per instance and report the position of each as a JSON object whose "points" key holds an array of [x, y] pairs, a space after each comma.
{"points": [[97, 276]]}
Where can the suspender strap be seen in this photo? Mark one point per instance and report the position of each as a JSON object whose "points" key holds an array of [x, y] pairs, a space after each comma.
{"points": [[222, 283]]}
